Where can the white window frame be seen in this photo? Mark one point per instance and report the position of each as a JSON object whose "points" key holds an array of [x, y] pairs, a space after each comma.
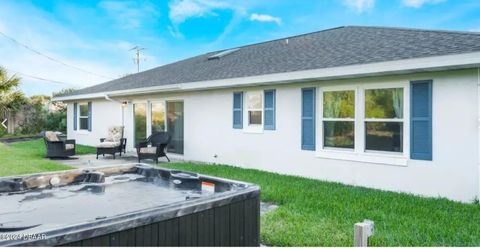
{"points": [[79, 117], [253, 128], [359, 153], [365, 119], [322, 119]]}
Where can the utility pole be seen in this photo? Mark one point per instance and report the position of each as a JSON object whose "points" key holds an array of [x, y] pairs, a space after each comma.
{"points": [[137, 59]]}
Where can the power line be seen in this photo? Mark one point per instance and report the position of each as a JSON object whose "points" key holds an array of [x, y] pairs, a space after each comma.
{"points": [[39, 78], [52, 59]]}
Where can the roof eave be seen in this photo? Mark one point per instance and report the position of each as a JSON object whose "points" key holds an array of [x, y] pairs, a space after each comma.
{"points": [[437, 63]]}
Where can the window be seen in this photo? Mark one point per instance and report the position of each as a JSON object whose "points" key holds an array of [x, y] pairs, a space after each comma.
{"points": [[384, 120], [255, 108], [158, 117], [83, 116], [339, 119]]}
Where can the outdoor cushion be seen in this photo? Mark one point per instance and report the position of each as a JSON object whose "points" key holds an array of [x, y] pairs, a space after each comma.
{"points": [[115, 134], [69, 146], [51, 136], [108, 144], [151, 150]]}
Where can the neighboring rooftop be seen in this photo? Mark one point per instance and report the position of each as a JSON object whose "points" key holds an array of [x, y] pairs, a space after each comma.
{"points": [[335, 47]]}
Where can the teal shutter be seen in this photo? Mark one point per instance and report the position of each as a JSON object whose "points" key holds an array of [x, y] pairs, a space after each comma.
{"points": [[238, 110], [75, 109], [308, 119], [90, 116], [269, 110], [421, 120]]}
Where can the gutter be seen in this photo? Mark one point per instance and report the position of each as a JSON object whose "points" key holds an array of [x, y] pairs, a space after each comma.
{"points": [[110, 99]]}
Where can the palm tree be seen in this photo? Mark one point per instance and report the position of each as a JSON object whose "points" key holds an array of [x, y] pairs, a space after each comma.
{"points": [[11, 99]]}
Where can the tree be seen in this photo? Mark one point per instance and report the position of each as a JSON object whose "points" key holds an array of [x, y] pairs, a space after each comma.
{"points": [[60, 106], [64, 91], [11, 99]]}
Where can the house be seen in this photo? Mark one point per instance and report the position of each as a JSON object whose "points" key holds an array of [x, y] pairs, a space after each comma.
{"points": [[388, 108]]}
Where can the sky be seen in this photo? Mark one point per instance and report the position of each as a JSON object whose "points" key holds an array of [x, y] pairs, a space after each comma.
{"points": [[75, 44]]}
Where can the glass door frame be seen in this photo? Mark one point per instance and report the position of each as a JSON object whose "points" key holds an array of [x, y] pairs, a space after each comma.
{"points": [[183, 117], [147, 117], [149, 114]]}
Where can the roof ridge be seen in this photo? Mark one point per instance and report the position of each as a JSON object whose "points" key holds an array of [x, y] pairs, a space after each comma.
{"points": [[278, 39], [349, 26], [417, 29]]}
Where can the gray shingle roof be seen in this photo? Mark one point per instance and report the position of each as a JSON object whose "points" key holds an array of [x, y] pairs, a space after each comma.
{"points": [[328, 48]]}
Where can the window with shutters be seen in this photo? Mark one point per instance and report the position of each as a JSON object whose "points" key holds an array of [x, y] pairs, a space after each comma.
{"points": [[83, 116], [259, 114], [364, 122]]}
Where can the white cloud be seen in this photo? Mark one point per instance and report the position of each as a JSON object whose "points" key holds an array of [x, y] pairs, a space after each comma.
{"points": [[359, 5], [181, 10], [265, 18], [129, 14], [419, 3]]}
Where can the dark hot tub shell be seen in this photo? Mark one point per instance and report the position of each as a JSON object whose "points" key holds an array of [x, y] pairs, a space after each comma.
{"points": [[226, 218]]}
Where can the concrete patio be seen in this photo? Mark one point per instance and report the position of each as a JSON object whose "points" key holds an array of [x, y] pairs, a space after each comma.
{"points": [[90, 160]]}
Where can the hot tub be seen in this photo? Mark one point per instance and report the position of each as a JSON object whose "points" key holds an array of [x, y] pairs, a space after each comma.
{"points": [[130, 205]]}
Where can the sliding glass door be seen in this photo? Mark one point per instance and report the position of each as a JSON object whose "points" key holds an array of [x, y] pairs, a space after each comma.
{"points": [[160, 116], [140, 121], [175, 126]]}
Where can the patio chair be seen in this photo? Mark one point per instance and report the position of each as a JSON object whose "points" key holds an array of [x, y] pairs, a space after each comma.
{"points": [[154, 147], [57, 148], [113, 143]]}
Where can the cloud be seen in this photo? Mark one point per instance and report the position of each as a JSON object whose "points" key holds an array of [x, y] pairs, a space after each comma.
{"points": [[419, 3], [359, 5], [182, 10], [265, 18], [129, 14]]}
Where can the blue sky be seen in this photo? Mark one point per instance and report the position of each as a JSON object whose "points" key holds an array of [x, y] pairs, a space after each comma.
{"points": [[97, 35]]}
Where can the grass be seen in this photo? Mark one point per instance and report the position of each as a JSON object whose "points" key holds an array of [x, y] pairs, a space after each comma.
{"points": [[29, 157], [312, 212], [318, 213]]}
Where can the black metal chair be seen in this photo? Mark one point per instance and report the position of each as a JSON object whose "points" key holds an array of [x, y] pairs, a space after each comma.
{"points": [[57, 148], [154, 147]]}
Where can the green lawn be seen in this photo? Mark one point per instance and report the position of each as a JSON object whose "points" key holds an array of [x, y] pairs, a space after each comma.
{"points": [[317, 213], [312, 212], [29, 157]]}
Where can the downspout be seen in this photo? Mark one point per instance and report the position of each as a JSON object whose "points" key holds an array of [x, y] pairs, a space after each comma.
{"points": [[478, 134], [121, 104]]}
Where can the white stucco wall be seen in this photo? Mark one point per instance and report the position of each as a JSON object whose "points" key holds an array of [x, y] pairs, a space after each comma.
{"points": [[453, 173], [104, 114]]}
